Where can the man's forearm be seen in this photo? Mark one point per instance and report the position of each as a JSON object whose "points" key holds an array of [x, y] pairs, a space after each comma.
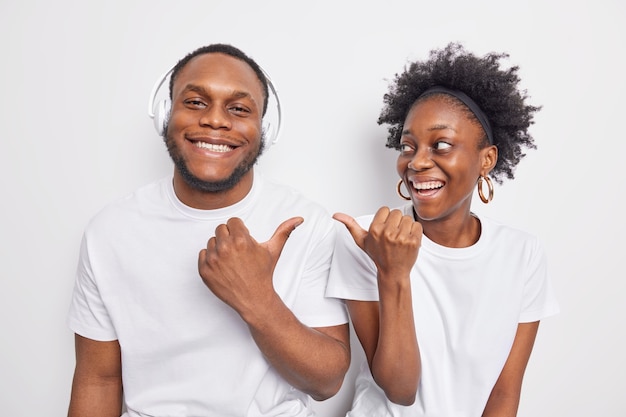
{"points": [[312, 360], [96, 398]]}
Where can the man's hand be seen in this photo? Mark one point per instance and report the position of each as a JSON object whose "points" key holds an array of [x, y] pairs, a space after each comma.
{"points": [[238, 269]]}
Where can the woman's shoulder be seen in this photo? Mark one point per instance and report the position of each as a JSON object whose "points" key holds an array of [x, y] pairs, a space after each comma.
{"points": [[507, 229], [508, 237]]}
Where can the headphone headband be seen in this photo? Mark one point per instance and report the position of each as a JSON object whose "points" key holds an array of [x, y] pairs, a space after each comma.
{"points": [[272, 120]]}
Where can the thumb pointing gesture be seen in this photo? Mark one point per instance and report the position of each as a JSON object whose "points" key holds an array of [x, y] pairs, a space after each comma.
{"points": [[238, 269], [392, 241], [358, 233], [277, 242]]}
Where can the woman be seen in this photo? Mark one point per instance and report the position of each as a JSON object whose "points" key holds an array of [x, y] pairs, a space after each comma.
{"points": [[446, 304]]}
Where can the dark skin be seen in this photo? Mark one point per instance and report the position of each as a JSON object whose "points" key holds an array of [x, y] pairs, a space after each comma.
{"points": [[239, 271], [386, 328], [217, 105], [216, 126], [442, 155], [97, 384]]}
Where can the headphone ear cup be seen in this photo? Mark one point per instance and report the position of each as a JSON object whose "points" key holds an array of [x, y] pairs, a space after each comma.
{"points": [[271, 121], [269, 133], [162, 115]]}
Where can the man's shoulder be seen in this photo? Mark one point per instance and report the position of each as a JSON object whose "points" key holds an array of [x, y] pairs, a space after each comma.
{"points": [[130, 206], [287, 195]]}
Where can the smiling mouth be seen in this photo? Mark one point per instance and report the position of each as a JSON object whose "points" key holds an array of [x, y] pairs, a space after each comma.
{"points": [[214, 147], [428, 187]]}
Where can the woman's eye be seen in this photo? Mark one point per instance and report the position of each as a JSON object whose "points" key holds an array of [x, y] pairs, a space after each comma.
{"points": [[404, 148], [440, 146]]}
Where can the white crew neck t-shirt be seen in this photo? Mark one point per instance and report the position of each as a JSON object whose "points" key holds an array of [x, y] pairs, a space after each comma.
{"points": [[467, 303], [184, 351]]}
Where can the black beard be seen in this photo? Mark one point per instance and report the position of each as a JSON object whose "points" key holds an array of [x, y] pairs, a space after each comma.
{"points": [[211, 186]]}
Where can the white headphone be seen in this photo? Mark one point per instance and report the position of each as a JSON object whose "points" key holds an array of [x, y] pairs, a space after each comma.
{"points": [[272, 120]]}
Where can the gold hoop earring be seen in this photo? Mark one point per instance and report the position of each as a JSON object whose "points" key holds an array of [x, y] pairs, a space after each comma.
{"points": [[484, 199], [399, 191]]}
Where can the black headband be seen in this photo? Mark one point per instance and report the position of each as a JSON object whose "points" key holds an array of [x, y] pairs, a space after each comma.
{"points": [[471, 104]]}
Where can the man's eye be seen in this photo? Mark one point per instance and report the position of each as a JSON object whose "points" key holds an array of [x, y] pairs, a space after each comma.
{"points": [[239, 109], [195, 103]]}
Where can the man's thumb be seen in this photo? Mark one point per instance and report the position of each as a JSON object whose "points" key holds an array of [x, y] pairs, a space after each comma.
{"points": [[280, 236]]}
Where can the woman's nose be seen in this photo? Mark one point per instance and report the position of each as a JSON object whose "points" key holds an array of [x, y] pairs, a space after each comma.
{"points": [[422, 159]]}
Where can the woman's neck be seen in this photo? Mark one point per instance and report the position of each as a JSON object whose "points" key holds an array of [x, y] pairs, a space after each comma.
{"points": [[452, 232]]}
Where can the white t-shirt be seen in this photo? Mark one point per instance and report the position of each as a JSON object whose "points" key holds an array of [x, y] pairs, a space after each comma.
{"points": [[185, 352], [467, 303]]}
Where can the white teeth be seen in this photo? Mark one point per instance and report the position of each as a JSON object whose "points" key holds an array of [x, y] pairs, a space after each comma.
{"points": [[430, 185], [213, 147]]}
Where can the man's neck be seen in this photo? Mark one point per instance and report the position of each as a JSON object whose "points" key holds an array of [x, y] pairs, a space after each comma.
{"points": [[204, 200]]}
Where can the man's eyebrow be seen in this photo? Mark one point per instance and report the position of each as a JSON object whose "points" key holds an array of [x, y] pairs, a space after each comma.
{"points": [[237, 94]]}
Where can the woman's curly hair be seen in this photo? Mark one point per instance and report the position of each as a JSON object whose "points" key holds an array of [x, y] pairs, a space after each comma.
{"points": [[494, 89]]}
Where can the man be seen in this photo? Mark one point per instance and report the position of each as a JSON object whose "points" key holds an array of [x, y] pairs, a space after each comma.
{"points": [[240, 329]]}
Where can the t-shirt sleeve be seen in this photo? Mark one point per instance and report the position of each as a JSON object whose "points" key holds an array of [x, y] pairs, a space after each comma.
{"points": [[311, 306], [353, 273], [88, 315], [539, 299]]}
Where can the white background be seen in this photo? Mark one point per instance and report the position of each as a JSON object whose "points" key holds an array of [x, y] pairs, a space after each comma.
{"points": [[74, 86]]}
